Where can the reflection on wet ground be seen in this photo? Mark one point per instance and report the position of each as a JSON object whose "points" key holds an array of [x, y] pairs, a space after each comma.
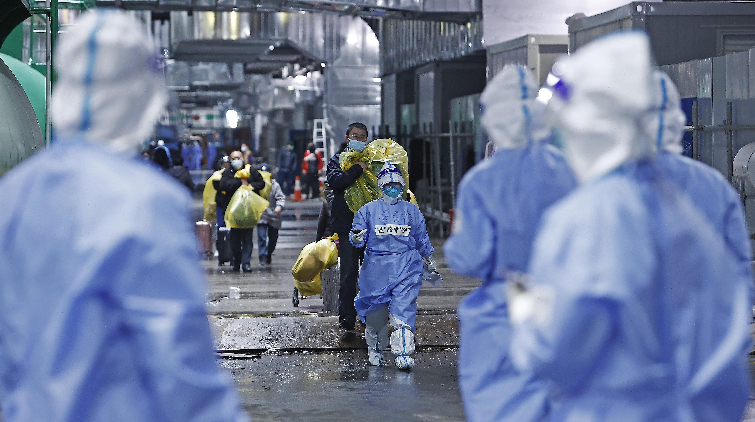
{"points": [[342, 386]]}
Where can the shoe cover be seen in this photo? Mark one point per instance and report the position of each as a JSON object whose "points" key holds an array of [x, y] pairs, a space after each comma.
{"points": [[404, 362], [375, 357], [402, 341], [376, 334]]}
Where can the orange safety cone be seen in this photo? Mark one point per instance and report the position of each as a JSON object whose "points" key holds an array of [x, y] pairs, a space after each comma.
{"points": [[297, 189]]}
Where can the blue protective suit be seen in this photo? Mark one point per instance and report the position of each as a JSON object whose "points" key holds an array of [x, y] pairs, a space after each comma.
{"points": [[498, 210], [643, 314], [395, 243], [716, 199], [102, 314]]}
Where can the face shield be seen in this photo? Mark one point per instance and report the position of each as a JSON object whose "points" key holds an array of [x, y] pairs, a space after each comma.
{"points": [[110, 88], [599, 96]]}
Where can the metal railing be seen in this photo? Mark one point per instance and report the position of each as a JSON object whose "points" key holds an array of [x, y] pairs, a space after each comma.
{"points": [[434, 171]]}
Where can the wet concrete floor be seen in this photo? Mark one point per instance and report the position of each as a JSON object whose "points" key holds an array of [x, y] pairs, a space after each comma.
{"points": [[342, 386]]}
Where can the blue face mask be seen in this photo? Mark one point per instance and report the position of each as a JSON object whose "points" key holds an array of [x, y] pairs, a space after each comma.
{"points": [[393, 191], [237, 164], [357, 145]]}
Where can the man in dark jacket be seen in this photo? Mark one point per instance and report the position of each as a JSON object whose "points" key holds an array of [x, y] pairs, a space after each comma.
{"points": [[287, 164], [242, 240], [181, 173], [341, 218]]}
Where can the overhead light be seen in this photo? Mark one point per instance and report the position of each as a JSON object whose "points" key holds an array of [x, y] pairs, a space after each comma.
{"points": [[322, 64], [232, 116]]}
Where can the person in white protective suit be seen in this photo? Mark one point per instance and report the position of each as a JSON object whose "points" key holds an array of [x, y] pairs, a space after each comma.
{"points": [[397, 252], [634, 309], [102, 314], [705, 186], [498, 210]]}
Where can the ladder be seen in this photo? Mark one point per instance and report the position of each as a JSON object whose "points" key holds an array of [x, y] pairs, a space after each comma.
{"points": [[319, 138]]}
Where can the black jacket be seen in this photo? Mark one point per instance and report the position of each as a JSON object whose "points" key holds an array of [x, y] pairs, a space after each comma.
{"points": [[341, 216], [181, 173], [228, 185]]}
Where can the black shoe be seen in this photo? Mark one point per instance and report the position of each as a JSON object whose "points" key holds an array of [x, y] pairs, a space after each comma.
{"points": [[236, 269], [346, 325], [247, 268], [263, 259], [268, 259]]}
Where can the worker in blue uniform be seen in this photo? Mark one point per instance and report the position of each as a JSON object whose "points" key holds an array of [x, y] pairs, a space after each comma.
{"points": [[705, 186], [397, 252], [633, 310], [498, 210], [102, 312]]}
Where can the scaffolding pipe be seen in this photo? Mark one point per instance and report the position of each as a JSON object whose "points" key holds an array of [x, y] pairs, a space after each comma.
{"points": [[452, 162]]}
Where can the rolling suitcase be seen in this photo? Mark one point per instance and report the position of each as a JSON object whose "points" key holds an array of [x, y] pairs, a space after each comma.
{"points": [[203, 230], [225, 254]]}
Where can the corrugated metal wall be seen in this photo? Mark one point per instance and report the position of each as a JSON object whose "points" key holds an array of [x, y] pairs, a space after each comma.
{"points": [[407, 44]]}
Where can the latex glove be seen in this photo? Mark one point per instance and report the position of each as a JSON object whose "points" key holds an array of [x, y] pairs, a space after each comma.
{"points": [[432, 278], [358, 236], [430, 264], [529, 303]]}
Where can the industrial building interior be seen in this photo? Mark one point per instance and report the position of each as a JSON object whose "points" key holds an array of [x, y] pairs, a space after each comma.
{"points": [[301, 70]]}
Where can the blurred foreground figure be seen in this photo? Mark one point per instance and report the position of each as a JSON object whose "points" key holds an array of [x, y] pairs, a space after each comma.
{"points": [[635, 311], [102, 313], [501, 201], [706, 187]]}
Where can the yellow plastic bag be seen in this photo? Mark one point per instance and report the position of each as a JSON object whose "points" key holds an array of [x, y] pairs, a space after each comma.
{"points": [[244, 172], [314, 258], [208, 196], [412, 198], [267, 177], [376, 153], [245, 209]]}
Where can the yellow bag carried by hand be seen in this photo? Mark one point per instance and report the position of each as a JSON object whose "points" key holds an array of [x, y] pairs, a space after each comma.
{"points": [[314, 258], [375, 154], [245, 209], [267, 177], [208, 196]]}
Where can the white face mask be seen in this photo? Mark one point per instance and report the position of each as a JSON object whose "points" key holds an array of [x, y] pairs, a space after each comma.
{"points": [[243, 149], [237, 164]]}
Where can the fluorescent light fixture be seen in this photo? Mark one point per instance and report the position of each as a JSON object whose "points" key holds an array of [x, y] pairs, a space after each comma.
{"points": [[232, 116]]}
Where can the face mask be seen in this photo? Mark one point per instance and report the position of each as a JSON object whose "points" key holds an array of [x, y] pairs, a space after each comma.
{"points": [[236, 164], [357, 145], [393, 191], [290, 147], [243, 149]]}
